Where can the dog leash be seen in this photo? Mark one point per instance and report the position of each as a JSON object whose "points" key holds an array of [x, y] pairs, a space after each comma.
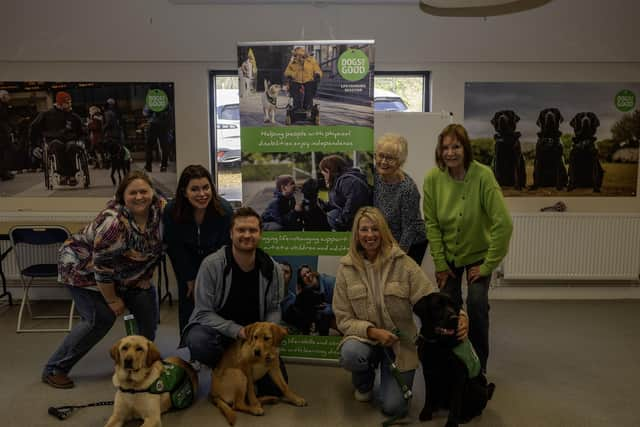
{"points": [[63, 412], [407, 394]]}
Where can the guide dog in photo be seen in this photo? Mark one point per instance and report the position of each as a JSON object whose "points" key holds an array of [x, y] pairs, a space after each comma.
{"points": [[245, 362], [313, 216], [270, 101], [508, 164], [548, 168], [452, 375], [147, 385], [585, 169], [120, 161]]}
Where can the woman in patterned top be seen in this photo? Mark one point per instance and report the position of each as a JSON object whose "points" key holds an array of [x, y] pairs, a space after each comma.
{"points": [[107, 268], [397, 196]]}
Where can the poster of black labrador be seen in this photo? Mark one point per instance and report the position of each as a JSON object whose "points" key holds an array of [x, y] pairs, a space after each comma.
{"points": [[545, 139], [79, 139]]}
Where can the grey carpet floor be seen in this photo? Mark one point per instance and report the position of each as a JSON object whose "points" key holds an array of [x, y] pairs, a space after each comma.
{"points": [[555, 363]]}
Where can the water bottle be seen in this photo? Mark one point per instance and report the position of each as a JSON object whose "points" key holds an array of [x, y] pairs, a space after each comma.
{"points": [[130, 324]]}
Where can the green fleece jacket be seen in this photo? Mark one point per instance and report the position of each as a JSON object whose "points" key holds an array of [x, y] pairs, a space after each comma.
{"points": [[467, 221]]}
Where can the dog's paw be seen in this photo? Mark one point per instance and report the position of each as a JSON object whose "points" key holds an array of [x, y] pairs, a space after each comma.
{"points": [[298, 401], [256, 410], [451, 424]]}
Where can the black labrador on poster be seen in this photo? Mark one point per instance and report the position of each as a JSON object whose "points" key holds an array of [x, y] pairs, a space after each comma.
{"points": [[548, 168], [508, 164], [585, 169], [120, 164], [313, 217], [448, 384]]}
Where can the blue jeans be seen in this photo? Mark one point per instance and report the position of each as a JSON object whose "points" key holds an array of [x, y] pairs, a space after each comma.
{"points": [[96, 321], [477, 308], [207, 346], [362, 359]]}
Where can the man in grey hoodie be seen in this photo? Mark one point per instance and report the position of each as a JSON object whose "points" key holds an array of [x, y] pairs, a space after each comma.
{"points": [[235, 286]]}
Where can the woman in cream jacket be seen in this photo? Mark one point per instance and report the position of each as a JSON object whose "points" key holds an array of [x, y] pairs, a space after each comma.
{"points": [[376, 287]]}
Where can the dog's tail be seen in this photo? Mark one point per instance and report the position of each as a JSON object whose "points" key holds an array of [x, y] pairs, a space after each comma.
{"points": [[226, 410]]}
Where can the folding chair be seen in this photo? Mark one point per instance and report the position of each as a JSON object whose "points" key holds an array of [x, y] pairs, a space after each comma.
{"points": [[36, 254]]}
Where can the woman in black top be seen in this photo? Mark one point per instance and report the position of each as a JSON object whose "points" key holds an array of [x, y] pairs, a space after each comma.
{"points": [[196, 224]]}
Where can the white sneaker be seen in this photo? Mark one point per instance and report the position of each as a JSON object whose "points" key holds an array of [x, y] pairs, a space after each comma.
{"points": [[363, 397]]}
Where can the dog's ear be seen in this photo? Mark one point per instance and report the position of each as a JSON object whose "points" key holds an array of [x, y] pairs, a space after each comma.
{"points": [[248, 330], [495, 118], [153, 354], [595, 122], [539, 121], [516, 118], [559, 115], [574, 121], [278, 333], [115, 352], [421, 307]]}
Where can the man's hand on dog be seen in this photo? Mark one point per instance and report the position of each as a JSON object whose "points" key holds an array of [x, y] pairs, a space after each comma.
{"points": [[442, 276], [463, 326], [242, 334], [384, 337]]}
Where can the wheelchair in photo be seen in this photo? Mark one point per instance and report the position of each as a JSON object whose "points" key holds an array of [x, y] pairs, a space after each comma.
{"points": [[301, 107], [51, 168]]}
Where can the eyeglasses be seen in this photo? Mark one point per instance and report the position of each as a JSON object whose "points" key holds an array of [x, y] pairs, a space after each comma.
{"points": [[386, 157]]}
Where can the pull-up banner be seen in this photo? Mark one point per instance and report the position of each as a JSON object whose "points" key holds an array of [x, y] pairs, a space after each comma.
{"points": [[306, 126]]}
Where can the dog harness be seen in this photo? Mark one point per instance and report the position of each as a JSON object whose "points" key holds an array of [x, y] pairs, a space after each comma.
{"points": [[467, 354], [272, 99], [173, 379]]}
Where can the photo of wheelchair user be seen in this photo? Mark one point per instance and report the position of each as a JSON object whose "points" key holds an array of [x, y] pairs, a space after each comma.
{"points": [[303, 74], [59, 131]]}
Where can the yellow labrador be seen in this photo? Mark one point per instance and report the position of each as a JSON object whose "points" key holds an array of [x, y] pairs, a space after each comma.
{"points": [[245, 362], [147, 385]]}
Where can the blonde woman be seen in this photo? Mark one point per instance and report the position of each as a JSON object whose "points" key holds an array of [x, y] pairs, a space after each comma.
{"points": [[397, 196], [376, 286]]}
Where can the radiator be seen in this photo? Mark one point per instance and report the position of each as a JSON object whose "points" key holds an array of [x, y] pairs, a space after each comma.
{"points": [[574, 246]]}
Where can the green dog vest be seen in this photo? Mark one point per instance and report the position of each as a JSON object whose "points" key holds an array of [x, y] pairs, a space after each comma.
{"points": [[174, 380], [467, 354]]}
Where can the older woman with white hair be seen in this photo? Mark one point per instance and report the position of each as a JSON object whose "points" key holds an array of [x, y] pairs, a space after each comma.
{"points": [[397, 196]]}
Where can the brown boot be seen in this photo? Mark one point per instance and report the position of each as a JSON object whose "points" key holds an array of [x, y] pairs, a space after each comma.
{"points": [[57, 380]]}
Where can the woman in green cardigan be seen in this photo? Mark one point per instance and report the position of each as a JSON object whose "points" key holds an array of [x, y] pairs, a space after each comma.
{"points": [[468, 228]]}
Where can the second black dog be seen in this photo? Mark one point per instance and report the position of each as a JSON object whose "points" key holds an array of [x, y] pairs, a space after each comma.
{"points": [[508, 165], [548, 168], [452, 375], [585, 169]]}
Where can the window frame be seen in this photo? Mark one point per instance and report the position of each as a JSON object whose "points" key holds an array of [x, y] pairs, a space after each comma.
{"points": [[426, 80]]}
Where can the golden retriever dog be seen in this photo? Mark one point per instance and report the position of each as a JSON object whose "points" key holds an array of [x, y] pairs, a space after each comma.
{"points": [[147, 385], [244, 363]]}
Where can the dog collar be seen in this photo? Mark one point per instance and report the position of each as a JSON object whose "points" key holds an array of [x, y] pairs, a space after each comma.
{"points": [[132, 390]]}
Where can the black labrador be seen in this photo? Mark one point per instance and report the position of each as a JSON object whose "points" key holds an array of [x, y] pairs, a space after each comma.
{"points": [[585, 169], [548, 168], [447, 378], [508, 165], [313, 216], [120, 164]]}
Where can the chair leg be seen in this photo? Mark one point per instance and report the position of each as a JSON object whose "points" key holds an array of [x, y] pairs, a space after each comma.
{"points": [[25, 298]]}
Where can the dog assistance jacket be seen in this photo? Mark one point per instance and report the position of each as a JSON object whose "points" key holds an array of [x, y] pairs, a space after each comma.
{"points": [[213, 284], [403, 283], [174, 379]]}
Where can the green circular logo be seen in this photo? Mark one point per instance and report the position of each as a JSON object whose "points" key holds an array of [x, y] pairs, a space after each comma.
{"points": [[625, 100], [353, 65], [157, 100]]}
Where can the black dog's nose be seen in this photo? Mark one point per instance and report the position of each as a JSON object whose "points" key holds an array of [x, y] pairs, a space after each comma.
{"points": [[256, 352], [128, 363]]}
